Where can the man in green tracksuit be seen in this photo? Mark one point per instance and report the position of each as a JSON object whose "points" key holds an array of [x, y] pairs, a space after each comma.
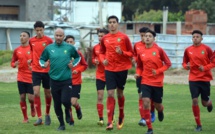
{"points": [[59, 55]]}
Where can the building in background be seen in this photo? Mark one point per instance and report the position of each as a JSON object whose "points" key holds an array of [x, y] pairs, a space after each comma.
{"points": [[26, 10]]}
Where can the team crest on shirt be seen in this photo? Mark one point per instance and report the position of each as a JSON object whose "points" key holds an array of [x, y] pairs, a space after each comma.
{"points": [[118, 39], [65, 51], [203, 52], [154, 53], [44, 44], [28, 52]]}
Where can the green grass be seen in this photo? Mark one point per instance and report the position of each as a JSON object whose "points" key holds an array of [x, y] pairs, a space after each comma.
{"points": [[177, 103]]}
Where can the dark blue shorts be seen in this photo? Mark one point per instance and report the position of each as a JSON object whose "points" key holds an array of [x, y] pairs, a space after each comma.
{"points": [[100, 84], [25, 87], [76, 91], [41, 77], [152, 92], [116, 79], [200, 87]]}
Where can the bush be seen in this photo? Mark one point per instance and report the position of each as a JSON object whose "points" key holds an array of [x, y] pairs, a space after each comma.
{"points": [[5, 56]]}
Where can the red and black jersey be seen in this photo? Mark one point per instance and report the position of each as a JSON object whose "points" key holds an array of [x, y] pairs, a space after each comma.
{"points": [[100, 69], [198, 56], [37, 47], [22, 54], [81, 67], [116, 62], [149, 59]]}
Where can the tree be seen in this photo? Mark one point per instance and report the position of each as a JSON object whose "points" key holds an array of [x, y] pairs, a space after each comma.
{"points": [[207, 6]]}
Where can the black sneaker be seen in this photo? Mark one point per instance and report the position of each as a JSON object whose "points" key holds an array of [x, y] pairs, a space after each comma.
{"points": [[160, 116], [38, 122], [47, 120], [61, 128], [150, 131], [67, 118], [198, 128], [71, 123], [210, 108], [79, 113]]}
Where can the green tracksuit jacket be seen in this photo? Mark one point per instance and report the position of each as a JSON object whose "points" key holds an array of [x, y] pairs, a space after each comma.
{"points": [[60, 56]]}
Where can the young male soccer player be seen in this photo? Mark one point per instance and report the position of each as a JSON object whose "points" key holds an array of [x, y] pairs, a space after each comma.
{"points": [[24, 76], [152, 62], [39, 74], [59, 54], [76, 83], [115, 53], [138, 48], [100, 76], [197, 59]]}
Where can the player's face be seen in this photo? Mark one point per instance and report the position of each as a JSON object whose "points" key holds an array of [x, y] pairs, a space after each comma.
{"points": [[70, 41], [112, 25], [142, 36], [149, 38], [100, 36], [39, 31], [24, 38], [59, 36], [197, 39]]}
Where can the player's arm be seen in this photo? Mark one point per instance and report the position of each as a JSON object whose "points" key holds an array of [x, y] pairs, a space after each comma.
{"points": [[14, 61], [211, 64], [167, 63], [102, 53], [139, 68], [44, 58], [76, 56], [95, 60], [186, 61], [129, 51], [83, 65]]}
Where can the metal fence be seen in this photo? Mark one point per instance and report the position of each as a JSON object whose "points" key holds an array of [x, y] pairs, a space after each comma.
{"points": [[174, 45]]}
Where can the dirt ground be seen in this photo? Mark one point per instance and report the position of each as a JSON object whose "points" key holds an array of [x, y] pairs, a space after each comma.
{"points": [[172, 76]]}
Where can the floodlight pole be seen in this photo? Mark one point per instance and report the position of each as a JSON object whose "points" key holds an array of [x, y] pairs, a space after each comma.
{"points": [[165, 18], [100, 14]]}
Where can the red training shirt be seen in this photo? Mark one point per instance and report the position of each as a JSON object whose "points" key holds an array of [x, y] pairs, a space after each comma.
{"points": [[197, 56], [149, 59], [100, 69], [22, 54], [116, 62], [81, 67], [37, 47]]}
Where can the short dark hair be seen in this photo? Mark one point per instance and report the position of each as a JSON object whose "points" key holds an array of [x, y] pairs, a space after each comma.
{"points": [[197, 31], [113, 17], [39, 24], [143, 29], [69, 36], [152, 32], [103, 30], [27, 33]]}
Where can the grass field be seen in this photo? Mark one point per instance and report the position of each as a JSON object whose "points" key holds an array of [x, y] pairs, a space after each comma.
{"points": [[177, 103]]}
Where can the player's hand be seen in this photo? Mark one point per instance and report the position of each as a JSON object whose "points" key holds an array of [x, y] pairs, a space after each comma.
{"points": [[136, 76], [118, 50], [29, 61], [96, 61], [154, 72], [75, 72], [30, 68], [46, 64], [201, 68], [188, 66], [16, 63], [133, 61], [70, 65], [105, 62]]}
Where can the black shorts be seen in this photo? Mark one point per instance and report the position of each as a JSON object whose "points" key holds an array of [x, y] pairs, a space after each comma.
{"points": [[152, 92], [200, 87], [100, 84], [138, 84], [76, 90], [116, 79], [38, 77], [25, 87]]}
